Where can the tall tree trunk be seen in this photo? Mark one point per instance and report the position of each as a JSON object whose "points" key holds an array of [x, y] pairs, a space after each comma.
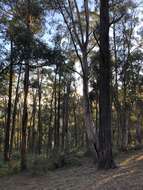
{"points": [[58, 111], [115, 88], [15, 111], [124, 125], [138, 129], [39, 114], [50, 130], [33, 122], [55, 110], [25, 118], [105, 145], [89, 124], [66, 117], [75, 127], [63, 119], [26, 90], [19, 127], [7, 130]]}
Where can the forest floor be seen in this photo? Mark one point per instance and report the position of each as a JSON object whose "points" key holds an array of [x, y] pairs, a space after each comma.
{"points": [[128, 176]]}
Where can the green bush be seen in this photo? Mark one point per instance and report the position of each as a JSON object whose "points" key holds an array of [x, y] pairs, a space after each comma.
{"points": [[41, 165], [38, 165], [9, 168], [14, 167], [16, 156]]}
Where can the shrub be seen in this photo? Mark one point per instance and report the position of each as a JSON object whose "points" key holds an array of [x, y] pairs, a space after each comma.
{"points": [[41, 165]]}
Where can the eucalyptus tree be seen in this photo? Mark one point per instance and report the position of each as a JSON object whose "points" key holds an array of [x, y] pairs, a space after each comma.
{"points": [[26, 20], [6, 22], [124, 45], [77, 19], [105, 145]]}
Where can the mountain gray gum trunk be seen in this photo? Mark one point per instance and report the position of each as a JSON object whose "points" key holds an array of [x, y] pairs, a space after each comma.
{"points": [[34, 122], [40, 129], [55, 110], [58, 111], [26, 89], [90, 127], [65, 143], [138, 129], [14, 112], [50, 129], [7, 130], [105, 145], [25, 118]]}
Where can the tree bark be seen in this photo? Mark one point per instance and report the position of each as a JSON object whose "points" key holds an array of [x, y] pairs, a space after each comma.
{"points": [[138, 129], [50, 130], [39, 114], [58, 111], [25, 118], [105, 144], [26, 91], [55, 110], [89, 124], [14, 112], [33, 122], [8, 123], [66, 117]]}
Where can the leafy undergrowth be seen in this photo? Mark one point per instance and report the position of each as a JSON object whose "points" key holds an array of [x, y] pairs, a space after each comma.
{"points": [[128, 176], [40, 165], [10, 168]]}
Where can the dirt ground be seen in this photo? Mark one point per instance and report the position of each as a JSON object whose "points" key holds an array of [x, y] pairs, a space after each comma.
{"points": [[129, 176]]}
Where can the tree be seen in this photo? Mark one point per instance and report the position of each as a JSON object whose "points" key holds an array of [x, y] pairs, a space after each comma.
{"points": [[105, 144], [81, 34], [7, 132]]}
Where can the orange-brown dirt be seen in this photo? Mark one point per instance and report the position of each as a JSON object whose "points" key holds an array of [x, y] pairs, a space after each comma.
{"points": [[129, 176]]}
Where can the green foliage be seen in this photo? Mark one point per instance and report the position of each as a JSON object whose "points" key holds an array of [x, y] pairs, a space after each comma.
{"points": [[41, 165], [10, 168], [16, 156], [38, 165]]}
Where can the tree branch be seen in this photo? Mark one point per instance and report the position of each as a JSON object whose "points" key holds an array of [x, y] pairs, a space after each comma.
{"points": [[116, 20]]}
